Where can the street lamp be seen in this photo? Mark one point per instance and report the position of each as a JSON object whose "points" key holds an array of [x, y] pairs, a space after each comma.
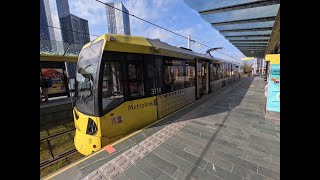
{"points": [[213, 49]]}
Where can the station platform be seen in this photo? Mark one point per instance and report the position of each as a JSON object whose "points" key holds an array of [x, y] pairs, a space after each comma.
{"points": [[222, 136], [55, 110], [55, 102]]}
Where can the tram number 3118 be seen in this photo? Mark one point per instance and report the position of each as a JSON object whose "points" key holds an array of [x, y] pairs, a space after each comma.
{"points": [[155, 91]]}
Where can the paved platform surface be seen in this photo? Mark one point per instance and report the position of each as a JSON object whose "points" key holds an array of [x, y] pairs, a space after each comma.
{"points": [[55, 102], [222, 136]]}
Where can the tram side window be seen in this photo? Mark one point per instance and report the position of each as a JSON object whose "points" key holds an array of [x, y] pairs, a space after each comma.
{"points": [[112, 86], [211, 73], [214, 72], [160, 72], [169, 78], [231, 69], [225, 70], [135, 78], [219, 71], [150, 80], [175, 75], [190, 75]]}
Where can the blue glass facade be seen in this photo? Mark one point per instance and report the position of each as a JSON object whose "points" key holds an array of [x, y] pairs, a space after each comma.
{"points": [[118, 21], [44, 30], [75, 30], [126, 21], [63, 8]]}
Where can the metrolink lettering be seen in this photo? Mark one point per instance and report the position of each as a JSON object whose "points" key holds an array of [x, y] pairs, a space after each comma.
{"points": [[141, 106]]}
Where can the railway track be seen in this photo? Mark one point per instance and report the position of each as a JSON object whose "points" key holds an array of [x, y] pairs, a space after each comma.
{"points": [[56, 158], [57, 134], [55, 124]]}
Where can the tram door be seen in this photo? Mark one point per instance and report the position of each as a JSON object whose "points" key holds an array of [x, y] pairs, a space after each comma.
{"points": [[202, 78]]}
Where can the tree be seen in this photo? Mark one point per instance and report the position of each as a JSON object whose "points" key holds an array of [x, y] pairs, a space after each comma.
{"points": [[247, 68]]}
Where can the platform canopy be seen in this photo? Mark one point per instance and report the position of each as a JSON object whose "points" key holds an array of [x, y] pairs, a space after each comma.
{"points": [[247, 24], [51, 50]]}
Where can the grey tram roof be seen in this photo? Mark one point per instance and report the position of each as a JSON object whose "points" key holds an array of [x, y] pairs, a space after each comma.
{"points": [[162, 46], [247, 24]]}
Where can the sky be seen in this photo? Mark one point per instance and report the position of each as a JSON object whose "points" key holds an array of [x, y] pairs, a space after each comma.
{"points": [[174, 15]]}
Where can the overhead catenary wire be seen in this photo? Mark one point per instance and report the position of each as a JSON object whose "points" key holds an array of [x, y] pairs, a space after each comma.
{"points": [[161, 27], [98, 36], [196, 38], [191, 40], [69, 30], [142, 19], [216, 50]]}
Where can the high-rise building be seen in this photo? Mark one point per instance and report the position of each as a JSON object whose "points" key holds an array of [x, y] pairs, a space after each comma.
{"points": [[63, 8], [46, 32], [75, 30], [118, 21]]}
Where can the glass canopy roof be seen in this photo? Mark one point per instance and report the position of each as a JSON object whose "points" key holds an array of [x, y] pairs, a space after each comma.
{"points": [[246, 23]]}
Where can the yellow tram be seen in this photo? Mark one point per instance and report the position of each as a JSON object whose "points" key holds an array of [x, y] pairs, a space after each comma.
{"points": [[125, 83]]}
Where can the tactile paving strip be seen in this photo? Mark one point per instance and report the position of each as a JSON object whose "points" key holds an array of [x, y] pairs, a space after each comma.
{"points": [[122, 162]]}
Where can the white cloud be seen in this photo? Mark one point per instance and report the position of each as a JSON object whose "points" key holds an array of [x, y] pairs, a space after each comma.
{"points": [[141, 9], [89, 10], [153, 11], [92, 11], [165, 13], [95, 13], [148, 9], [163, 5], [157, 33], [185, 32]]}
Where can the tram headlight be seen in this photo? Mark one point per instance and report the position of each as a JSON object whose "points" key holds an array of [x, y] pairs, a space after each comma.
{"points": [[92, 127]]}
